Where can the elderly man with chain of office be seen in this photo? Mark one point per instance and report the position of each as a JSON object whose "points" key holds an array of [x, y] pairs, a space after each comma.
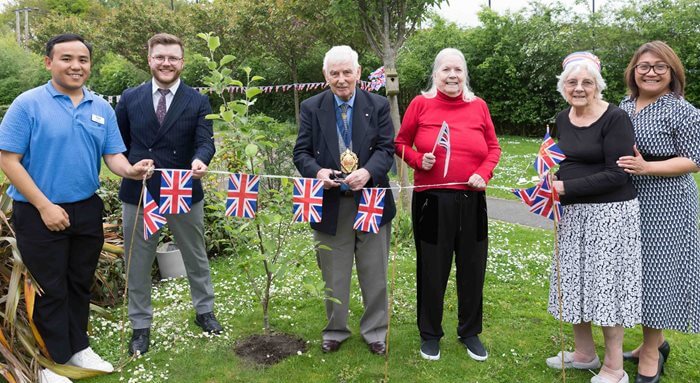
{"points": [[346, 140]]}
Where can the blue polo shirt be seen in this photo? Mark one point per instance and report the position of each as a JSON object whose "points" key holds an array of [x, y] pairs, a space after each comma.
{"points": [[62, 145]]}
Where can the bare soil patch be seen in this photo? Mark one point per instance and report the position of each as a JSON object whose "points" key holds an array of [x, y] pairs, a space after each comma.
{"points": [[269, 349]]}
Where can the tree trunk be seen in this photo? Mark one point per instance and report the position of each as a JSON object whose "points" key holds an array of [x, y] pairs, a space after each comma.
{"points": [[390, 63], [266, 310], [295, 77]]}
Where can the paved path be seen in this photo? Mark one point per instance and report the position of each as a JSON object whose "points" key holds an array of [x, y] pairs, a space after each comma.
{"points": [[515, 212], [508, 211]]}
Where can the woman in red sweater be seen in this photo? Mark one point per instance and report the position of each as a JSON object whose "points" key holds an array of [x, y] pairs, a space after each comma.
{"points": [[449, 203]]}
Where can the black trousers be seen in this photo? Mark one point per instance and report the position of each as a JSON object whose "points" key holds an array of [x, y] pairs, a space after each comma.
{"points": [[447, 222], [63, 264]]}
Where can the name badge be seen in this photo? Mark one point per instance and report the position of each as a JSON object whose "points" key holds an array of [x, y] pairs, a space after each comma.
{"points": [[98, 119]]}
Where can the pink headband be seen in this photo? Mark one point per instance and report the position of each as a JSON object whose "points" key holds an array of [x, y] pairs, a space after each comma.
{"points": [[578, 57]]}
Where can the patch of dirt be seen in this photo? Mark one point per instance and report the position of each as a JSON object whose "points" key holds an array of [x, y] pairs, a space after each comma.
{"points": [[269, 349]]}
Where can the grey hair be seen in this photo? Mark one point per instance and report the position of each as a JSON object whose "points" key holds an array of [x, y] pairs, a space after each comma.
{"points": [[340, 54], [576, 67], [467, 94]]}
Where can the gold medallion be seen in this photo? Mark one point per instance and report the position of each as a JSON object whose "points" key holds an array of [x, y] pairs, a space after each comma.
{"points": [[348, 161]]}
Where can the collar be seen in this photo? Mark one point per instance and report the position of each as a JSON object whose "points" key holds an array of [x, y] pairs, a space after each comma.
{"points": [[350, 102], [87, 95], [173, 88]]}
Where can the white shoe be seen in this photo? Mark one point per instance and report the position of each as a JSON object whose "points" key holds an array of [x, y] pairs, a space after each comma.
{"points": [[598, 379], [48, 376], [555, 362], [90, 360]]}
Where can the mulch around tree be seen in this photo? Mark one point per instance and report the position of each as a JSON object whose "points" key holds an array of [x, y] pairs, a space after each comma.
{"points": [[269, 349]]}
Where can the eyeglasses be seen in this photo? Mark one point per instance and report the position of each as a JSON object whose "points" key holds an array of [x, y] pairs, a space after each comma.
{"points": [[584, 83], [644, 68], [162, 59]]}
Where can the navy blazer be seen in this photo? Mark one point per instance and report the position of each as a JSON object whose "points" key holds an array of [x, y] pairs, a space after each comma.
{"points": [[184, 136], [372, 141]]}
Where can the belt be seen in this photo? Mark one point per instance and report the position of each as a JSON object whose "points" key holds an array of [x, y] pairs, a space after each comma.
{"points": [[656, 158]]}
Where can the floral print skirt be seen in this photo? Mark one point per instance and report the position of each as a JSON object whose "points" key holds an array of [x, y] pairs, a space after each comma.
{"points": [[600, 265]]}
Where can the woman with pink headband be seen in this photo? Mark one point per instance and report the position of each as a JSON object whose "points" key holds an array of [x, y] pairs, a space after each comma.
{"points": [[599, 280]]}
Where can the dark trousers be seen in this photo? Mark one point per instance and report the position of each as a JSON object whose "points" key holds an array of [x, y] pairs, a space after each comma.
{"points": [[447, 222], [63, 263]]}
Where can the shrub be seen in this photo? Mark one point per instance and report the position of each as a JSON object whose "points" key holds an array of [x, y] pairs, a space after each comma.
{"points": [[20, 70], [116, 74]]}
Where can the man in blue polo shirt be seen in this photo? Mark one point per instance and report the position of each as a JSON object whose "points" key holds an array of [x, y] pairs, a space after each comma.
{"points": [[51, 142]]}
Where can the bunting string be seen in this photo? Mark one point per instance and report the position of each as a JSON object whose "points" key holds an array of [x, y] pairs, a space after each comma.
{"points": [[397, 188], [306, 86]]}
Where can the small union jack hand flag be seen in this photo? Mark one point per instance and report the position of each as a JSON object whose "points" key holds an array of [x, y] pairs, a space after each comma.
{"points": [[242, 197], [175, 191], [370, 210], [549, 155], [307, 200], [443, 140], [152, 221], [546, 201], [525, 195]]}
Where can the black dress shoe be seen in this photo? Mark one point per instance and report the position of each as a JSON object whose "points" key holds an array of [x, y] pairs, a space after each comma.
{"points": [[652, 379], [208, 323], [665, 349], [140, 340], [378, 348], [329, 345]]}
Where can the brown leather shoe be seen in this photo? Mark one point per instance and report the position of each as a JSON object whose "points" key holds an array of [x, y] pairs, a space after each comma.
{"points": [[329, 345], [378, 348]]}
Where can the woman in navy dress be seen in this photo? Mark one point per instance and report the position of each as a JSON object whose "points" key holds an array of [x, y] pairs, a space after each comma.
{"points": [[667, 131]]}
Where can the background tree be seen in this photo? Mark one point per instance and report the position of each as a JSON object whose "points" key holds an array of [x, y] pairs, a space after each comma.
{"points": [[285, 30], [386, 25]]}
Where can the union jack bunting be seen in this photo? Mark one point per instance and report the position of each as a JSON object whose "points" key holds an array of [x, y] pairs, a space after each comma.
{"points": [[307, 200], [549, 155], [443, 140], [175, 191], [546, 201], [242, 196], [152, 221], [370, 210]]}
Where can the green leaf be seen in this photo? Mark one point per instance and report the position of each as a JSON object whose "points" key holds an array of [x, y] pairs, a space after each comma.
{"points": [[234, 82], [213, 116], [203, 36], [247, 70], [252, 92], [227, 115], [226, 59], [251, 150], [213, 43], [257, 78], [211, 65]]}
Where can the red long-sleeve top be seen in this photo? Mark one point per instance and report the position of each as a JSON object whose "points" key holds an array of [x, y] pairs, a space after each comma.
{"points": [[473, 143]]}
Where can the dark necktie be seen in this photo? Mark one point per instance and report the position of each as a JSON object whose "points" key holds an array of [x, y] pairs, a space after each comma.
{"points": [[160, 109], [344, 117]]}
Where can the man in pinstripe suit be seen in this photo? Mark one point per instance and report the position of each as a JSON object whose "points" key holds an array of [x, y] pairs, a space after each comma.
{"points": [[164, 120]]}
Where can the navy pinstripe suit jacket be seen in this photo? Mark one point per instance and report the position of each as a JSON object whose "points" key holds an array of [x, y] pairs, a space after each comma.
{"points": [[184, 136]]}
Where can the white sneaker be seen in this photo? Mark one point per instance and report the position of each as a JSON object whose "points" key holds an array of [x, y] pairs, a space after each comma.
{"points": [[48, 376], [555, 362], [598, 379], [90, 360]]}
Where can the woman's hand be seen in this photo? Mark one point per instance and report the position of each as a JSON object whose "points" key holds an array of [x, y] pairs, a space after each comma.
{"points": [[559, 187], [476, 182], [634, 164], [428, 161]]}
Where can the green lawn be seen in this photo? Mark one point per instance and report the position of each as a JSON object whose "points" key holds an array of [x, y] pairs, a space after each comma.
{"points": [[515, 169], [518, 332]]}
